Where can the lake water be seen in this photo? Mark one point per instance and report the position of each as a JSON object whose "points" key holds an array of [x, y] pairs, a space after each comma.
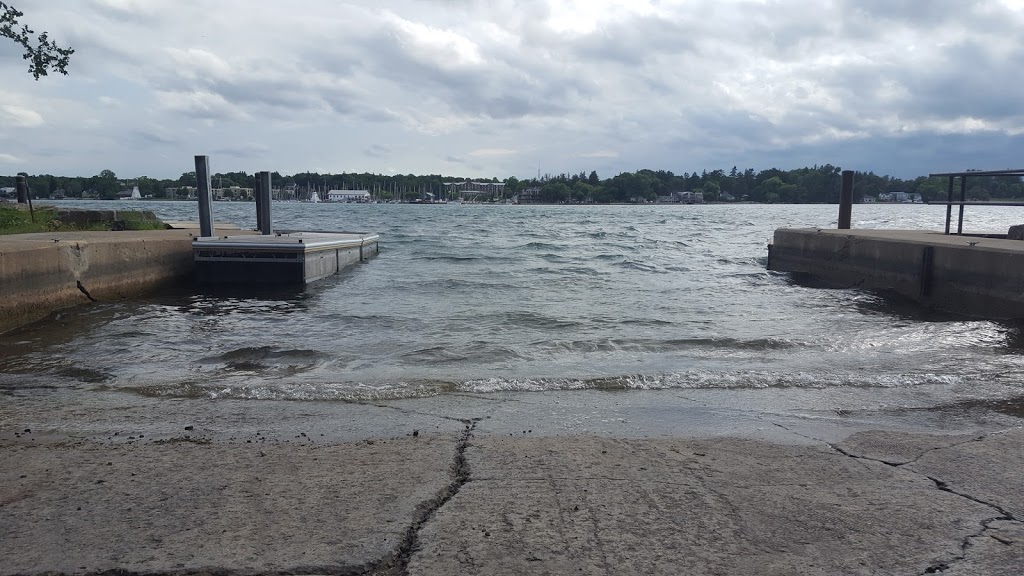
{"points": [[477, 298]]}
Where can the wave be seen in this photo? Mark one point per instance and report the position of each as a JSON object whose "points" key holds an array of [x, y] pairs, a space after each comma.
{"points": [[265, 354], [747, 380], [650, 345], [642, 267], [404, 389], [311, 392], [268, 361], [457, 259]]}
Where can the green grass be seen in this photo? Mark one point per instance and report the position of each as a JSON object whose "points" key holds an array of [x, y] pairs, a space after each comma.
{"points": [[17, 221], [137, 221]]}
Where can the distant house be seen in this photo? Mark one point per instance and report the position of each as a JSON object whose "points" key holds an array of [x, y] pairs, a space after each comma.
{"points": [[236, 192], [348, 196], [685, 197], [885, 197], [869, 200], [8, 192], [469, 190], [689, 197], [528, 196], [900, 197], [726, 197]]}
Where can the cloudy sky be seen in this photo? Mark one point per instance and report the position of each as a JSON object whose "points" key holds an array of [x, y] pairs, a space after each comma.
{"points": [[506, 87]]}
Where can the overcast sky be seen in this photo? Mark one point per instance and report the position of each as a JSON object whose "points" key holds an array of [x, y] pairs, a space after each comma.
{"points": [[508, 87]]}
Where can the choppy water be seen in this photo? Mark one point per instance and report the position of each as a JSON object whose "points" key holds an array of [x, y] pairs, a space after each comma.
{"points": [[488, 298]]}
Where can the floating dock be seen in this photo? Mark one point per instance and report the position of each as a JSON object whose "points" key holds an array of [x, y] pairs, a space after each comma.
{"points": [[977, 275], [270, 257], [282, 258]]}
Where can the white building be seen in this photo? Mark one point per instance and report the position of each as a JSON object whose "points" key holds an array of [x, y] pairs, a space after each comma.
{"points": [[348, 196]]}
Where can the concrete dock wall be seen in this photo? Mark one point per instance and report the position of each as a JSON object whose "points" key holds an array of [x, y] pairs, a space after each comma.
{"points": [[40, 273], [978, 276]]}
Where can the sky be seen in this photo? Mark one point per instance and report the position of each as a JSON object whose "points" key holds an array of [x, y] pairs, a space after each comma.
{"points": [[499, 88]]}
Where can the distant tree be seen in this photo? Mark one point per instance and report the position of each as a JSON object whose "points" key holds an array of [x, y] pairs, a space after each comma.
{"points": [[511, 185], [555, 192], [583, 192], [105, 184], [712, 191], [44, 55]]}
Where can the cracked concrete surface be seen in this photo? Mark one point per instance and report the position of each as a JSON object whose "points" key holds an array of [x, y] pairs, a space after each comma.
{"points": [[185, 507], [985, 469], [586, 505], [494, 486]]}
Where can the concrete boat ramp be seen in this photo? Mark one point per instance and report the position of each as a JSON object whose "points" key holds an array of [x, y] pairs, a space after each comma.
{"points": [[732, 482]]}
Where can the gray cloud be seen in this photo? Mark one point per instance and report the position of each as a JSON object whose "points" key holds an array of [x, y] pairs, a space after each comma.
{"points": [[377, 150], [243, 151], [669, 84]]}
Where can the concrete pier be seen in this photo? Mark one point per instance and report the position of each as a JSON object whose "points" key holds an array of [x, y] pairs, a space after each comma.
{"points": [[979, 275], [48, 271]]}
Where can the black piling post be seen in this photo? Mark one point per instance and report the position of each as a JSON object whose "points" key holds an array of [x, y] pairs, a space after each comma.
{"points": [[265, 222], [22, 185], [846, 200], [205, 193]]}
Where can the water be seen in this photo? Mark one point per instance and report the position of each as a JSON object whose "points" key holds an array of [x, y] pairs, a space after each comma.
{"points": [[471, 298]]}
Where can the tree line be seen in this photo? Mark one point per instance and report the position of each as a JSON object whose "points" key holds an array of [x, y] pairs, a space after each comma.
{"points": [[817, 184]]}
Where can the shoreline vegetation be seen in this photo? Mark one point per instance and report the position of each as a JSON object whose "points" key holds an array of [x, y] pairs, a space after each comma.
{"points": [[814, 185], [17, 219]]}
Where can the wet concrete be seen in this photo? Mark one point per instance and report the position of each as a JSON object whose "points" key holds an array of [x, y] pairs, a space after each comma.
{"points": [[658, 482]]}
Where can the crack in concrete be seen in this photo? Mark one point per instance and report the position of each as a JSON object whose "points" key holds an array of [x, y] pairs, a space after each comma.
{"points": [[930, 450], [398, 564], [964, 546], [967, 542], [1006, 515], [84, 291]]}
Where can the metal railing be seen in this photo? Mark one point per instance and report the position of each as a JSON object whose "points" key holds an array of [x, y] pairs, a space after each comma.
{"points": [[963, 194]]}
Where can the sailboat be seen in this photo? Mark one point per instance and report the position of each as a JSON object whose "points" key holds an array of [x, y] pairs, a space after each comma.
{"points": [[315, 197], [135, 194]]}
